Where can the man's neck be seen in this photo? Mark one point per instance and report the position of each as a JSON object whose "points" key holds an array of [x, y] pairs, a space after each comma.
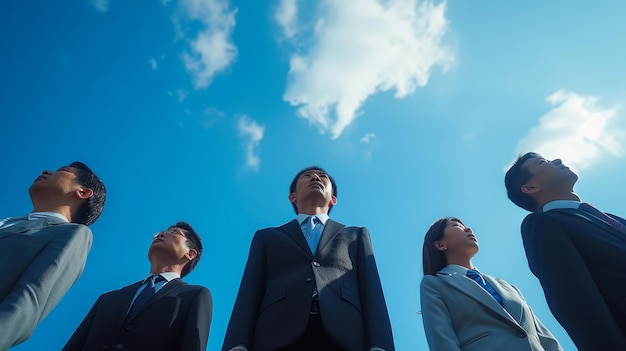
{"points": [[313, 210], [564, 196], [60, 209], [156, 268]]}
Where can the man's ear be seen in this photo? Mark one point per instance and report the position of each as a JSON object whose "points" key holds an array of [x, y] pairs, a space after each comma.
{"points": [[529, 189], [191, 254], [333, 202], [292, 198], [83, 193]]}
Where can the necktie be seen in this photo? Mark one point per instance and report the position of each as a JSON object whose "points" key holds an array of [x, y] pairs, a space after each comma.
{"points": [[311, 229], [474, 275], [145, 295], [603, 216]]}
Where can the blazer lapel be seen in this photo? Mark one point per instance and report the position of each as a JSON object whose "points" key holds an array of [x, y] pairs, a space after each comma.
{"points": [[511, 307], [293, 230], [475, 291], [164, 291], [331, 228], [595, 220], [126, 297]]}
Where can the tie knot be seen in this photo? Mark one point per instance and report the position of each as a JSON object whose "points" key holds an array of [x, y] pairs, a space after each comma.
{"points": [[155, 278]]}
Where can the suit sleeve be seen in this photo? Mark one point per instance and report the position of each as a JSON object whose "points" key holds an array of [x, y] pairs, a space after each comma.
{"points": [[375, 316], [46, 280], [438, 326], [196, 333], [77, 340], [245, 311], [546, 339], [569, 288]]}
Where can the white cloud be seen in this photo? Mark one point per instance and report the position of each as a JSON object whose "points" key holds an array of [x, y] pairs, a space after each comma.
{"points": [[286, 16], [181, 94], [358, 49], [153, 64], [212, 50], [252, 133], [101, 5], [576, 130], [367, 138]]}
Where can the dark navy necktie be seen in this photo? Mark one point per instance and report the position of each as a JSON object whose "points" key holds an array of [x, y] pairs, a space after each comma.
{"points": [[603, 216], [145, 295], [475, 276]]}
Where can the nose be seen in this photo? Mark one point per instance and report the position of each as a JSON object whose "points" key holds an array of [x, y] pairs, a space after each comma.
{"points": [[316, 176], [46, 172], [469, 230], [557, 161]]}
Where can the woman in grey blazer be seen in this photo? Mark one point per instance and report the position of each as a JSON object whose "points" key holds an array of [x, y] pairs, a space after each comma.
{"points": [[463, 309]]}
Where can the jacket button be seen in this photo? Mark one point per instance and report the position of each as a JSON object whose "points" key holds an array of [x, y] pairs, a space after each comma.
{"points": [[119, 347], [316, 264], [308, 279]]}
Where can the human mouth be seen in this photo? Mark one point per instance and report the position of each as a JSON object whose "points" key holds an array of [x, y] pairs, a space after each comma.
{"points": [[473, 237]]}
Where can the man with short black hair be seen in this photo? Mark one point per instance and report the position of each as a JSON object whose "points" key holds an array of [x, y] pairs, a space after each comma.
{"points": [[43, 253], [160, 312], [577, 251], [312, 283]]}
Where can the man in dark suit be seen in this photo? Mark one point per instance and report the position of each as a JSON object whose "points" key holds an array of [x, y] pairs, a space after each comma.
{"points": [[159, 313], [312, 283], [43, 253], [577, 252]]}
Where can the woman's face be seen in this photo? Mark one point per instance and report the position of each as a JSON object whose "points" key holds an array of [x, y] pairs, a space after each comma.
{"points": [[457, 238]]}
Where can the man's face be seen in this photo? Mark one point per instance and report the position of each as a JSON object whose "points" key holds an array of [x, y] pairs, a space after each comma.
{"points": [[548, 175], [171, 243], [314, 185], [59, 183]]}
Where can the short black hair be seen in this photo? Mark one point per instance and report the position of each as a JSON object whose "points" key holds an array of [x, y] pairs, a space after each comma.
{"points": [[194, 242], [517, 176], [292, 187], [91, 209]]}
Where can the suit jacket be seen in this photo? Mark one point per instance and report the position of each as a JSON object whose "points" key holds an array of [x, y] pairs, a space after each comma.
{"points": [[42, 258], [459, 314], [275, 296], [580, 261], [177, 317]]}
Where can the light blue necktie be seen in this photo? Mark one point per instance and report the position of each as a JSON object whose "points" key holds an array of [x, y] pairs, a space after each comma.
{"points": [[311, 229], [475, 276]]}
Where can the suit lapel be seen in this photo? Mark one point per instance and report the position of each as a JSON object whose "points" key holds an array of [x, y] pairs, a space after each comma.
{"points": [[331, 228], [511, 306], [164, 291], [476, 292], [126, 297], [595, 220], [293, 231]]}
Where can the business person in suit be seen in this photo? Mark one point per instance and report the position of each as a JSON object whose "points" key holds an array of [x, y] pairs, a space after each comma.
{"points": [[464, 309], [159, 313], [577, 251], [44, 252], [312, 283]]}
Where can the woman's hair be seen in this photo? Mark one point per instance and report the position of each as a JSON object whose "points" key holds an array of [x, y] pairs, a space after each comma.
{"points": [[434, 260]]}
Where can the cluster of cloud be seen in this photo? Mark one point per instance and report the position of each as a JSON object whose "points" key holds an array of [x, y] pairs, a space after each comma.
{"points": [[252, 134], [577, 129], [212, 49], [100, 5], [358, 50]]}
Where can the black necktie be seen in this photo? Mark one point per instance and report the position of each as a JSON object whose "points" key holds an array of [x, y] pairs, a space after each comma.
{"points": [[145, 295], [601, 215], [475, 276]]}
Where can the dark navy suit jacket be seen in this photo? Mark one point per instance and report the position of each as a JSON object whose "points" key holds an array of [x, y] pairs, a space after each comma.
{"points": [[178, 317], [580, 261], [274, 301]]}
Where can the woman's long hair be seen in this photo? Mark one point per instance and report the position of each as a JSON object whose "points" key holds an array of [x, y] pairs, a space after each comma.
{"points": [[434, 260]]}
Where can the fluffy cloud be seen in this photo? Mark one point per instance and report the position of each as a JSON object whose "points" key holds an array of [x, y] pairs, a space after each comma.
{"points": [[153, 64], [577, 129], [101, 5], [367, 138], [212, 50], [252, 134], [354, 50]]}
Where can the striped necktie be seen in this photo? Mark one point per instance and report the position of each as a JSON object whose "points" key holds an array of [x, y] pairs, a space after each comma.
{"points": [[475, 276]]}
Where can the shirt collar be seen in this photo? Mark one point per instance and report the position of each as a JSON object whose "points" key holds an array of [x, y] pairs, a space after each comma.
{"points": [[323, 217], [35, 215], [169, 276], [556, 204], [455, 268]]}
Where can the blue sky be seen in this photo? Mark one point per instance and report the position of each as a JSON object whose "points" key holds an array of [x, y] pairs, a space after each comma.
{"points": [[203, 110]]}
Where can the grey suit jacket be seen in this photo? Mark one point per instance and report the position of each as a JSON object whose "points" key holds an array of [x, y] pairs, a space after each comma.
{"points": [[459, 314], [274, 301], [42, 259]]}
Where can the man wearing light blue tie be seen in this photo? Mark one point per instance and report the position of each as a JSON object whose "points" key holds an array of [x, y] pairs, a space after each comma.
{"points": [[312, 283], [44, 252]]}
